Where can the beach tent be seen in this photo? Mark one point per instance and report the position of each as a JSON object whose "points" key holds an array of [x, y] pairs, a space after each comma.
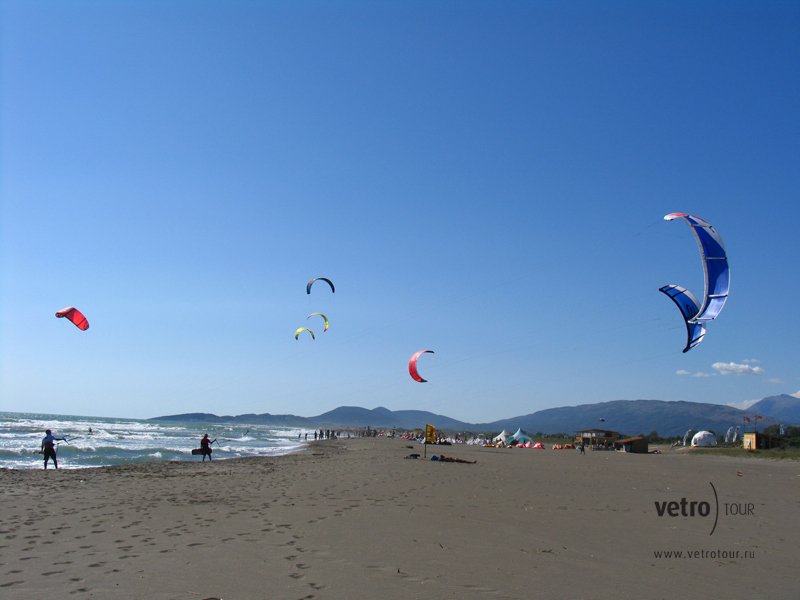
{"points": [[520, 437], [704, 439], [501, 439]]}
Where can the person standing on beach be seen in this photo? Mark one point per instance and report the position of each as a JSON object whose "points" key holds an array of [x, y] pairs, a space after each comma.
{"points": [[49, 448], [205, 447]]}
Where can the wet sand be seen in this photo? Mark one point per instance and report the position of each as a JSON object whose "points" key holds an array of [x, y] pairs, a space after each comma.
{"points": [[352, 519]]}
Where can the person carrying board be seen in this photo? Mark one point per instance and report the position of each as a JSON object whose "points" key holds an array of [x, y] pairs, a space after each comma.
{"points": [[205, 447]]}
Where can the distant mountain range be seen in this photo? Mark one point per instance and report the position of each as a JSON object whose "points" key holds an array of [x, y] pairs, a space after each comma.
{"points": [[784, 407], [625, 416]]}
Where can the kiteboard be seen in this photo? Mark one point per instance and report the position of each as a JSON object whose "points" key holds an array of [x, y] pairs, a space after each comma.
{"points": [[197, 451]]}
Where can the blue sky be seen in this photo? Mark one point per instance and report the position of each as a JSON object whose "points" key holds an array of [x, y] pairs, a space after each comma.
{"points": [[486, 180]]}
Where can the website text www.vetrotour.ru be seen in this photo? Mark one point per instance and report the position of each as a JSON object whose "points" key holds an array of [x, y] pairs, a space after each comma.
{"points": [[705, 554]]}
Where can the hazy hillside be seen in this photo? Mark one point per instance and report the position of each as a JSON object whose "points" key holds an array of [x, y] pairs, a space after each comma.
{"points": [[626, 416], [251, 419], [633, 417], [353, 416], [783, 407]]}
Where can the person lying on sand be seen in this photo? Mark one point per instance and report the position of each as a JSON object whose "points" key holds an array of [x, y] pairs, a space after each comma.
{"points": [[451, 459]]}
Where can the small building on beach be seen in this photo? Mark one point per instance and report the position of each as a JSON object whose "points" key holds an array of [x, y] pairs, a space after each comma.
{"points": [[637, 445], [761, 441], [597, 438]]}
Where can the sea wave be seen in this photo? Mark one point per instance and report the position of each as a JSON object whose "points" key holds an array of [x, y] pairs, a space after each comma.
{"points": [[99, 441]]}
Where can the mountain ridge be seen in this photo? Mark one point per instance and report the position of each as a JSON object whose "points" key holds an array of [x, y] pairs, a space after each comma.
{"points": [[668, 418]]}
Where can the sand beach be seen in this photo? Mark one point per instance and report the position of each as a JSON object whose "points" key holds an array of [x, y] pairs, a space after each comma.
{"points": [[354, 519]]}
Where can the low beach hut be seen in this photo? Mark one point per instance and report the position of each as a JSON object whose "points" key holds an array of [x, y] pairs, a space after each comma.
{"points": [[762, 441], [638, 445]]}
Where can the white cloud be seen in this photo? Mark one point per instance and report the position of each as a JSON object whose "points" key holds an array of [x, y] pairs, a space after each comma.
{"points": [[751, 360], [775, 381], [734, 369], [682, 372], [796, 395], [745, 404]]}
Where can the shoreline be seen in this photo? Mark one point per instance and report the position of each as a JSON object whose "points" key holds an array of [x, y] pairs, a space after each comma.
{"points": [[351, 518], [189, 458]]}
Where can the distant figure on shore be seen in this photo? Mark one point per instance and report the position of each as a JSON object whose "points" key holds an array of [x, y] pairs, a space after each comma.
{"points": [[49, 448], [582, 449], [205, 447]]}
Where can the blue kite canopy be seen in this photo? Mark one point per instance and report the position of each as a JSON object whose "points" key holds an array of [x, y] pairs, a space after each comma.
{"points": [[717, 281], [687, 302]]}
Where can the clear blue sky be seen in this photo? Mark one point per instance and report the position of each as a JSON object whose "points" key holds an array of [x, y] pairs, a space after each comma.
{"points": [[487, 180]]}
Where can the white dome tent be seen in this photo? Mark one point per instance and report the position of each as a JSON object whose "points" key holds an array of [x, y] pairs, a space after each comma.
{"points": [[704, 439]]}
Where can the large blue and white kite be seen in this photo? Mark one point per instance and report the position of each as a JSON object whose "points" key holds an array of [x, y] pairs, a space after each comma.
{"points": [[717, 275]]}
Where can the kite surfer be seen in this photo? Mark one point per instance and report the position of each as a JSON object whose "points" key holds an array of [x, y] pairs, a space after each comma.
{"points": [[49, 448], [205, 447]]}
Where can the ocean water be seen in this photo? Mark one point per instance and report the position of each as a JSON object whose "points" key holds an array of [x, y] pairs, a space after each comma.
{"points": [[126, 441]]}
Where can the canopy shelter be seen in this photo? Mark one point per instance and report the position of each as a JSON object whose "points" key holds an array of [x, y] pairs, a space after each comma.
{"points": [[501, 438], [520, 437]]}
